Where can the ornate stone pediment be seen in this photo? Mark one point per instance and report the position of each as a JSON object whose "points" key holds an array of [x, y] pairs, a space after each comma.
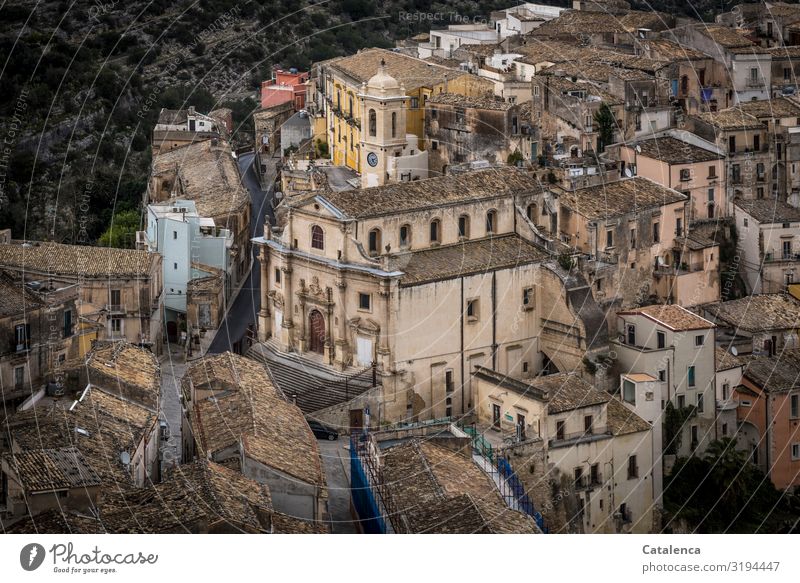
{"points": [[277, 298], [364, 325]]}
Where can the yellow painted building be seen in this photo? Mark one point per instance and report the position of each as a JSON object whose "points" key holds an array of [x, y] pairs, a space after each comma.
{"points": [[342, 81]]}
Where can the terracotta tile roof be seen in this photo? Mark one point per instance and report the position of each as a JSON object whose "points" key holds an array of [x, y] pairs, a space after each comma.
{"points": [[45, 470], [622, 421], [536, 51], [201, 493], [672, 316], [57, 521], [769, 211], [726, 360], [776, 108], [285, 524], [432, 192], [578, 23], [674, 151], [485, 102], [787, 52], [246, 407], [111, 363], [758, 313], [16, 298], [695, 240], [564, 85], [468, 258], [725, 37], [636, 19], [730, 119], [411, 72], [59, 259], [777, 373], [619, 198], [207, 174], [674, 52], [438, 490], [568, 391]]}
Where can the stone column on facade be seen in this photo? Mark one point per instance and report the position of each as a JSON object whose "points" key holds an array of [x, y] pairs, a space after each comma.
{"points": [[303, 330], [328, 353], [341, 345], [264, 314], [383, 351], [287, 326]]}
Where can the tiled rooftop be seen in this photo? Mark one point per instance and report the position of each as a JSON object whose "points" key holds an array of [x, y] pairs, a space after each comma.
{"points": [[74, 260], [622, 421], [726, 360], [619, 198], [776, 108], [577, 23], [730, 119], [674, 151], [45, 470], [485, 102], [438, 490], [758, 313], [247, 408], [208, 175], [568, 391], [433, 192], [411, 72], [468, 258], [769, 211], [129, 364], [725, 36], [672, 51], [775, 373], [15, 298], [672, 316]]}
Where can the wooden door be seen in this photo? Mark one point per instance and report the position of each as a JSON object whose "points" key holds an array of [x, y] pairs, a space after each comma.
{"points": [[316, 326]]}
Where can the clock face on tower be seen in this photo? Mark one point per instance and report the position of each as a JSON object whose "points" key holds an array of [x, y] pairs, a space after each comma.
{"points": [[372, 159]]}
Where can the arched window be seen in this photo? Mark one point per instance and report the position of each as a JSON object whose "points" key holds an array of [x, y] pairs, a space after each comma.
{"points": [[405, 236], [491, 222], [317, 237], [463, 226], [350, 100], [531, 212], [394, 124], [375, 242], [373, 123], [435, 234]]}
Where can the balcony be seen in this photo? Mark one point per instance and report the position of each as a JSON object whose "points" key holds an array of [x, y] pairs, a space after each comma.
{"points": [[566, 439], [756, 82], [780, 257], [585, 482], [115, 308], [20, 347]]}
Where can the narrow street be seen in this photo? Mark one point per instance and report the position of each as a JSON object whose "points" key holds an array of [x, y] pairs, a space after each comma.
{"points": [[173, 367], [336, 465], [244, 310]]}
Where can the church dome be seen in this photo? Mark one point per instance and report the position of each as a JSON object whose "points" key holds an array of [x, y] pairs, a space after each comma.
{"points": [[382, 82]]}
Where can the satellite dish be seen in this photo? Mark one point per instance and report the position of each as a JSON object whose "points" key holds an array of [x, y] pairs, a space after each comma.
{"points": [[628, 173], [734, 351], [125, 458]]}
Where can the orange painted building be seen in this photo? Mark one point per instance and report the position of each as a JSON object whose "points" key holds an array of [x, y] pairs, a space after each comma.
{"points": [[284, 87], [768, 416]]}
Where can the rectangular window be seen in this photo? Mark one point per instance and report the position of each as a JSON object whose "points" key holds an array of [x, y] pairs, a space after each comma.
{"points": [[174, 234], [700, 402], [415, 103], [661, 339], [472, 310], [463, 226], [681, 401], [656, 232], [364, 302], [116, 324], [633, 468], [578, 474], [609, 238], [19, 376], [559, 430], [628, 392], [726, 391], [796, 451], [633, 238], [690, 376], [724, 429], [116, 298], [527, 297], [699, 339], [712, 171], [795, 406], [678, 226], [588, 424], [695, 438], [731, 144], [277, 275], [631, 334], [67, 323], [662, 376]]}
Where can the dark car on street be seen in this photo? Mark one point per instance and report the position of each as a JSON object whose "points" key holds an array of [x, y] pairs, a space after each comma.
{"points": [[321, 431]]}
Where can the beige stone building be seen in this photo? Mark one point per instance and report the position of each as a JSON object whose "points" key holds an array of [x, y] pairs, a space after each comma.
{"points": [[120, 290], [425, 279]]}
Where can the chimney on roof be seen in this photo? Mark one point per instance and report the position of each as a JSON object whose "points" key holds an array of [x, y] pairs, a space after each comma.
{"points": [[191, 110]]}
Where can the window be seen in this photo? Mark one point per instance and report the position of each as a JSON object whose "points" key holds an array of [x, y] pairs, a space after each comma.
{"points": [[700, 402], [656, 232], [175, 265], [277, 276], [678, 226], [536, 91], [756, 143], [463, 226], [633, 238], [434, 145], [594, 474], [435, 231], [685, 175], [731, 144], [787, 73], [712, 172], [796, 451], [695, 438], [633, 467], [787, 249], [588, 424], [661, 339], [174, 234], [609, 238], [631, 329], [373, 123], [491, 221], [116, 299], [794, 410], [472, 310], [578, 474], [364, 302], [19, 376], [724, 429], [628, 392], [116, 324], [521, 427], [394, 124], [67, 323], [374, 241], [726, 391], [530, 212], [690, 376], [736, 173], [434, 113], [559, 430], [681, 401], [699, 340], [527, 297], [317, 237], [405, 236], [350, 104]]}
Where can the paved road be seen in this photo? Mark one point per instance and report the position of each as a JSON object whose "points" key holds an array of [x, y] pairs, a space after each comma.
{"points": [[335, 464], [173, 367], [244, 310]]}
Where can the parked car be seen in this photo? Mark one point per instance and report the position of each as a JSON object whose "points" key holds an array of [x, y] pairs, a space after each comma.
{"points": [[321, 431]]}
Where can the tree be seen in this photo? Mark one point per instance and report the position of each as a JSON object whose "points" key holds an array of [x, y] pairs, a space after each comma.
{"points": [[122, 231], [606, 124]]}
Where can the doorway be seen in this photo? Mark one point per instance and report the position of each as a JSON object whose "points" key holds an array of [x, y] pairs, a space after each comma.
{"points": [[316, 326]]}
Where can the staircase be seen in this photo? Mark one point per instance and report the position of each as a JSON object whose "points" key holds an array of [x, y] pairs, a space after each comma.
{"points": [[311, 384]]}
